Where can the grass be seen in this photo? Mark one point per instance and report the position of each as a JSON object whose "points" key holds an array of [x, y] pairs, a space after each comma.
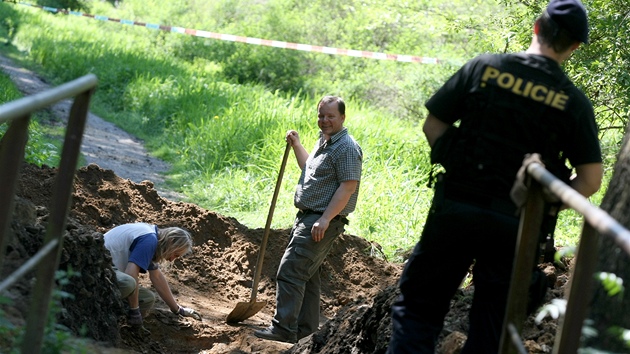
{"points": [[44, 142], [224, 138]]}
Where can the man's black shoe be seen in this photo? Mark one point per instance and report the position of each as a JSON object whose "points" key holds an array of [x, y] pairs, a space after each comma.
{"points": [[269, 333]]}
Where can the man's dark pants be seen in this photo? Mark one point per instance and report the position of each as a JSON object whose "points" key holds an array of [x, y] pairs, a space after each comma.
{"points": [[456, 234], [298, 282]]}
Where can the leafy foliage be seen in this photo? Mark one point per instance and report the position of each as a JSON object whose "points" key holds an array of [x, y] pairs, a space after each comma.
{"points": [[218, 110], [611, 283], [599, 68], [8, 331], [76, 5], [57, 339]]}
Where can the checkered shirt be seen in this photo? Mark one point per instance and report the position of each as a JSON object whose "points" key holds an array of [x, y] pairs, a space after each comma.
{"points": [[331, 162]]}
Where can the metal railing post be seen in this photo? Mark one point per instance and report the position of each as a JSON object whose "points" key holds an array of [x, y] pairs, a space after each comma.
{"points": [[61, 201], [527, 241], [12, 149]]}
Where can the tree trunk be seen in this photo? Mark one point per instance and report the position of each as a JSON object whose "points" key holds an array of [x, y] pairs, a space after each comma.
{"points": [[613, 312]]}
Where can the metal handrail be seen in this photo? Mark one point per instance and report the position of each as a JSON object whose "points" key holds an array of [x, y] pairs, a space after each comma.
{"points": [[12, 149], [26, 105], [598, 218], [597, 222]]}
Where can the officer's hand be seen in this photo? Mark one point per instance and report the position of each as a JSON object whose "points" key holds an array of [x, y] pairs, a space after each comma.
{"points": [[188, 312], [518, 193], [134, 318]]}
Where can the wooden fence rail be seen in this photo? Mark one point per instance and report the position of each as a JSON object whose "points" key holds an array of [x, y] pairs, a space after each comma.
{"points": [[12, 147]]}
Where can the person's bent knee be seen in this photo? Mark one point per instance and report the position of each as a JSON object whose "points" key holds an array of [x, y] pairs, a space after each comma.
{"points": [[126, 283], [146, 300]]}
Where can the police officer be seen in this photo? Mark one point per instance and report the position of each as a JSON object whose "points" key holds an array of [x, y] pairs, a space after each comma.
{"points": [[506, 106]]}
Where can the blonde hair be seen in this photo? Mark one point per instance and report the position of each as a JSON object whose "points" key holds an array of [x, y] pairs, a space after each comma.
{"points": [[172, 240]]}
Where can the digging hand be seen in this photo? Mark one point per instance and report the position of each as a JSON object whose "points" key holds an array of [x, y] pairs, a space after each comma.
{"points": [[188, 312], [134, 317], [134, 320]]}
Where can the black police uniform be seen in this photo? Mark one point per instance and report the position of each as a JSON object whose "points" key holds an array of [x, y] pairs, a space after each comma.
{"points": [[507, 105]]}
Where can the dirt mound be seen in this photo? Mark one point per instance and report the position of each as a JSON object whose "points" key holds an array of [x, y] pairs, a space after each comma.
{"points": [[212, 280], [357, 289], [365, 327], [93, 308]]}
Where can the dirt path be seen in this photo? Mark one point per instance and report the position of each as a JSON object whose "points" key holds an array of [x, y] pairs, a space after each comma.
{"points": [[103, 143]]}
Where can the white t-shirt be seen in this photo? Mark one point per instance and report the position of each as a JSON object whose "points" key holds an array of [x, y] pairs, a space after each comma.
{"points": [[120, 239]]}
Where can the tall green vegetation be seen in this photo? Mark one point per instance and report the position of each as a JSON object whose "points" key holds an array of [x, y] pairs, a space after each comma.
{"points": [[57, 338], [218, 110], [599, 69], [41, 148]]}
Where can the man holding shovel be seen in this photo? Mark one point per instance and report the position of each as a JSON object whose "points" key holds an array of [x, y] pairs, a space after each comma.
{"points": [[326, 193]]}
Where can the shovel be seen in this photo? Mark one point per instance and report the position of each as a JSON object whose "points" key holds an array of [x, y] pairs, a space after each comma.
{"points": [[245, 310]]}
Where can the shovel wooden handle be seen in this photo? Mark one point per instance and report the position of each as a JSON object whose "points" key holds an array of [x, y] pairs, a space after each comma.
{"points": [[263, 246]]}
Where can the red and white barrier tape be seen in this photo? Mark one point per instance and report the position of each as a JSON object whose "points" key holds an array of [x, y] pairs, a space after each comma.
{"points": [[250, 40]]}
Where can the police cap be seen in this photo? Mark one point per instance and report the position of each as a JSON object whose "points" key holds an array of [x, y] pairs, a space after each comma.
{"points": [[570, 15]]}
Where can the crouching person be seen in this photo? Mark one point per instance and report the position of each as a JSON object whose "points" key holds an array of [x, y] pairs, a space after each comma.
{"points": [[139, 248]]}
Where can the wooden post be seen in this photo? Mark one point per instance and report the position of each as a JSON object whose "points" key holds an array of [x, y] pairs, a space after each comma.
{"points": [[61, 201], [528, 234], [12, 148], [581, 285]]}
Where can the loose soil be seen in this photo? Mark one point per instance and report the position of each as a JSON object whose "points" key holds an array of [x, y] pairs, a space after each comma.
{"points": [[357, 288], [212, 280]]}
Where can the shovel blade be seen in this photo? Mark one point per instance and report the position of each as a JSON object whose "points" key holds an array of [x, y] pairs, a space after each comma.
{"points": [[245, 310]]}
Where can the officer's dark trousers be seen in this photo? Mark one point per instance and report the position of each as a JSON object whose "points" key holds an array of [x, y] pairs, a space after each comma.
{"points": [[456, 234]]}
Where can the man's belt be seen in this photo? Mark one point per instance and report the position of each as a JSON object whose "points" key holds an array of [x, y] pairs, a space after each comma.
{"points": [[455, 192], [304, 212]]}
